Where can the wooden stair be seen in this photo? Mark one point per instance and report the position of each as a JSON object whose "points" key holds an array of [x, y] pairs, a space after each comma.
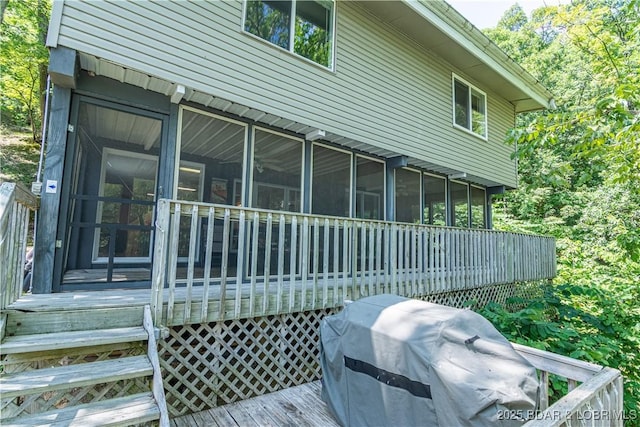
{"points": [[121, 411]]}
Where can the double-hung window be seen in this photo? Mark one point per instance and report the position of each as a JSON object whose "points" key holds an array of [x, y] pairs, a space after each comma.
{"points": [[303, 27], [469, 107]]}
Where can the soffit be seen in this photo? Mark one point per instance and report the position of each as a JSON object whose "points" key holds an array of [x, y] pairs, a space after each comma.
{"points": [[98, 66]]}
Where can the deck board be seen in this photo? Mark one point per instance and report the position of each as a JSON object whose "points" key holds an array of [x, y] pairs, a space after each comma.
{"points": [[295, 406]]}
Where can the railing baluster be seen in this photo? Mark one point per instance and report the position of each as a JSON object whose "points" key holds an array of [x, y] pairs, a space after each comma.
{"points": [[193, 233], [281, 245], [345, 260], [254, 247], [325, 264], [316, 260], [363, 257], [304, 255], [371, 260], [293, 263], [173, 262], [208, 255], [267, 264], [242, 244], [379, 232], [336, 260], [224, 267]]}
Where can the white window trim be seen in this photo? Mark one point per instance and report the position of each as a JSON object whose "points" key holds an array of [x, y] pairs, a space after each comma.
{"points": [[290, 51], [455, 77]]}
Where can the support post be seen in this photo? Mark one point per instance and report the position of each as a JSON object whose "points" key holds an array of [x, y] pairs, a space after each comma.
{"points": [[45, 245]]}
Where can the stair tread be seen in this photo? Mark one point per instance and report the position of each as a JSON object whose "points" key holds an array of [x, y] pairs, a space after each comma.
{"points": [[61, 377], [60, 340], [127, 410]]}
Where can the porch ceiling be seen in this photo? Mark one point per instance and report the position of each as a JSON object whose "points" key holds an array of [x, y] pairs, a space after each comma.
{"points": [[99, 66]]}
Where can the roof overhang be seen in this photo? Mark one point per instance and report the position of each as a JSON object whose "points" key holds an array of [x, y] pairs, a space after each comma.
{"points": [[94, 66], [438, 27]]}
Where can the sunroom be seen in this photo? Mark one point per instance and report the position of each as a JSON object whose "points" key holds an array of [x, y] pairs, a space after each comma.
{"points": [[120, 163]]}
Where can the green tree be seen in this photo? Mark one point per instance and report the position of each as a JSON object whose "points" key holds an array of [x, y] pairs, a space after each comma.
{"points": [[23, 61]]}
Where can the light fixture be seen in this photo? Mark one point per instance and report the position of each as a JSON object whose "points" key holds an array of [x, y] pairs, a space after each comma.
{"points": [[189, 170], [460, 175], [187, 189], [315, 134]]}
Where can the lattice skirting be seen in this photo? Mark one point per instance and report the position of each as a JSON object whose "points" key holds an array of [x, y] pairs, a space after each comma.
{"points": [[207, 365]]}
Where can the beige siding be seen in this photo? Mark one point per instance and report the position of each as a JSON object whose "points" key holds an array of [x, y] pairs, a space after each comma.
{"points": [[385, 91]]}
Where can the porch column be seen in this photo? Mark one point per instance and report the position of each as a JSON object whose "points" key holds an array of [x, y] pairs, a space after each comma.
{"points": [[63, 69], [46, 233], [392, 164]]}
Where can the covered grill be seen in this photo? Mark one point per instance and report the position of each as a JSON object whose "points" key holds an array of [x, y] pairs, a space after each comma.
{"points": [[394, 361]]}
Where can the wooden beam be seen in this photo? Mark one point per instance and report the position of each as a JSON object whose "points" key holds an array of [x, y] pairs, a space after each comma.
{"points": [[46, 234], [64, 67]]}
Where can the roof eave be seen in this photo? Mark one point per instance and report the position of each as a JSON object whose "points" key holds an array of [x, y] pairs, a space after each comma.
{"points": [[451, 23]]}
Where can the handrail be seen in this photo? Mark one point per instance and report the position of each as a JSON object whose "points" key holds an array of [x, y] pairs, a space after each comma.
{"points": [[283, 261], [16, 204], [597, 401]]}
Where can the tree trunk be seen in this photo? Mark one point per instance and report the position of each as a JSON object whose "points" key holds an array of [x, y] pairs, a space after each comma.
{"points": [[43, 24], [3, 7]]}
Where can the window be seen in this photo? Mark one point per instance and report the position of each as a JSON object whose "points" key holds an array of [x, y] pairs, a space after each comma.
{"points": [[408, 199], [478, 207], [469, 107], [213, 145], [277, 172], [369, 188], [459, 204], [308, 34], [435, 195], [331, 190]]}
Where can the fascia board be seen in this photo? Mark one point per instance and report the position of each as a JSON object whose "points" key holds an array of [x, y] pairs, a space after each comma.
{"points": [[54, 23]]}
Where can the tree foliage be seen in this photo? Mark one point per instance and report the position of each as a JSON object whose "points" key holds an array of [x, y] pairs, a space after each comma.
{"points": [[23, 61], [579, 176]]}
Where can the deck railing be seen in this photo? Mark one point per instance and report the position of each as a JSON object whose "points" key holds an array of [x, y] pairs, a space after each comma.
{"points": [[597, 401], [253, 262], [16, 205]]}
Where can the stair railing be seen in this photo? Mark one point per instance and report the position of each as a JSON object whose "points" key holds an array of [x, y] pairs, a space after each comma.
{"points": [[16, 205]]}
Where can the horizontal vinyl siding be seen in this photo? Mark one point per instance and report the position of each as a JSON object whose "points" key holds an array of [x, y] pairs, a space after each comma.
{"points": [[386, 91]]}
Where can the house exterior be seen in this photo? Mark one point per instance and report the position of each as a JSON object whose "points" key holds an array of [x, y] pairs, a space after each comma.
{"points": [[393, 111], [222, 175]]}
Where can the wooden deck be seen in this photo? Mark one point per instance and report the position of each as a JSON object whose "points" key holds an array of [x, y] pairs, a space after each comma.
{"points": [[298, 406]]}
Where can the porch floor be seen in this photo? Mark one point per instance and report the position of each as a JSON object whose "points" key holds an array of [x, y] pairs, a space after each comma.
{"points": [[295, 406]]}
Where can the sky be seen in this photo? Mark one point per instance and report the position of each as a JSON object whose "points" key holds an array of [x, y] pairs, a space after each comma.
{"points": [[486, 13]]}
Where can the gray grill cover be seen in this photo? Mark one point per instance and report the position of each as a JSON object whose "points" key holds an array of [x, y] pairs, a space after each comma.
{"points": [[392, 361]]}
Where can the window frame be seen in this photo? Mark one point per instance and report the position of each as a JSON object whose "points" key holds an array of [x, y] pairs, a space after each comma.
{"points": [[332, 49], [177, 159], [354, 173], [251, 188], [351, 176], [471, 89]]}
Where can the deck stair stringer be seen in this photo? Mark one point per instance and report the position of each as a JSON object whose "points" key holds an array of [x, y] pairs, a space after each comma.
{"points": [[137, 407]]}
